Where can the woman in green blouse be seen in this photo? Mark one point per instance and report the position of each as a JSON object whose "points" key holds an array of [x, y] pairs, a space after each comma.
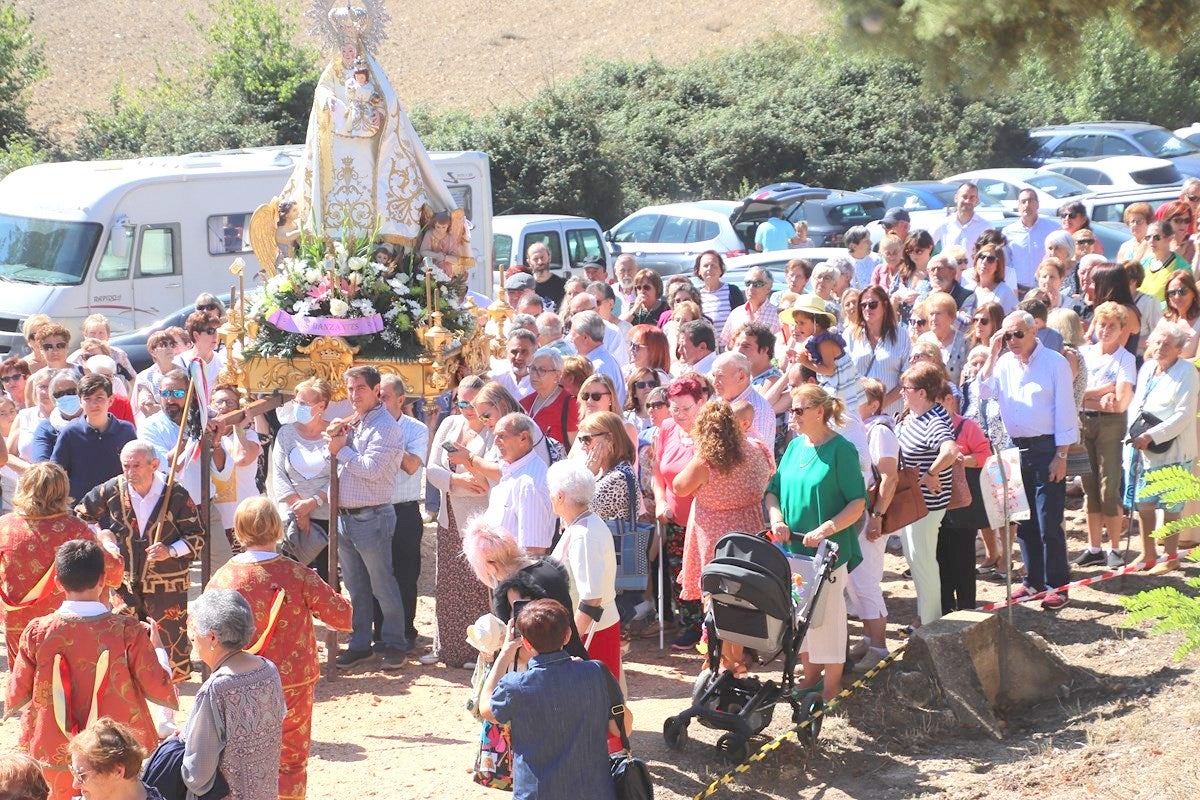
{"points": [[818, 493]]}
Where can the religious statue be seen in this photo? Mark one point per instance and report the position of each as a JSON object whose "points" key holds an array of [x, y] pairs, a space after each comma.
{"points": [[443, 243], [364, 171]]}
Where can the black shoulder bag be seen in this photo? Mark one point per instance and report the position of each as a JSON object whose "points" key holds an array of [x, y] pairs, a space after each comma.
{"points": [[631, 777]]}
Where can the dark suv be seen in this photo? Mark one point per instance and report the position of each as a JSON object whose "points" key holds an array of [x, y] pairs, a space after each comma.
{"points": [[1085, 139], [828, 212]]}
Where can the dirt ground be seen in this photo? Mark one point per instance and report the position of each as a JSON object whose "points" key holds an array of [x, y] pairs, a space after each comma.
{"points": [[442, 56], [1125, 728]]}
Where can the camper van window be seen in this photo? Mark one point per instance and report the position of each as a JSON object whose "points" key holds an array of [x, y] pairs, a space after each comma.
{"points": [[462, 197], [584, 242], [158, 254], [45, 250], [227, 233], [118, 254]]}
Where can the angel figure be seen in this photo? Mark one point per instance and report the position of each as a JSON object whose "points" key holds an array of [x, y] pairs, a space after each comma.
{"points": [[286, 229], [443, 243]]}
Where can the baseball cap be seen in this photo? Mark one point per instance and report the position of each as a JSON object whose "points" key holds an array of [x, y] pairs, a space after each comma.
{"points": [[519, 282], [895, 215]]}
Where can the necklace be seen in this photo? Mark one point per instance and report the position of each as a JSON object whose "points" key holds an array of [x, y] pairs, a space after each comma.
{"points": [[221, 663], [815, 447]]}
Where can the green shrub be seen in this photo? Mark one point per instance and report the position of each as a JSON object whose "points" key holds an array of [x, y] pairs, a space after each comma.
{"points": [[21, 65]]}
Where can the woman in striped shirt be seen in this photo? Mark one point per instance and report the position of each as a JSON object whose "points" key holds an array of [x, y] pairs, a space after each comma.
{"points": [[717, 297], [926, 444]]}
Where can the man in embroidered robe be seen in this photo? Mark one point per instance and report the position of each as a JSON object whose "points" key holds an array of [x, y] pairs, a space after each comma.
{"points": [[158, 534], [82, 663]]}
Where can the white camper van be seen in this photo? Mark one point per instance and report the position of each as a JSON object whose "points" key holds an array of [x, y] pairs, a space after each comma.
{"points": [[137, 239]]}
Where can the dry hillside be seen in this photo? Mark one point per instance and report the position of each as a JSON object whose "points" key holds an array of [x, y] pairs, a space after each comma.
{"points": [[468, 55]]}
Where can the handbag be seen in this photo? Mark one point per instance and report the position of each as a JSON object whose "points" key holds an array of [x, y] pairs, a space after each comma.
{"points": [[631, 776], [631, 541], [1144, 422], [908, 504], [164, 771], [493, 763], [960, 490], [300, 546]]}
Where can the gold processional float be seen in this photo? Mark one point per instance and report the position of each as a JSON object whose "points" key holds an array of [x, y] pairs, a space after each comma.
{"points": [[364, 254]]}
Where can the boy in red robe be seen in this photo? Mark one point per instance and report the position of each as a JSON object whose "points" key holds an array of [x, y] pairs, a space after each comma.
{"points": [[82, 663]]}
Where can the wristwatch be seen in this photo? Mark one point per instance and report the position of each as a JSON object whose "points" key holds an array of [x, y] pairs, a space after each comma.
{"points": [[876, 515], [1063, 456]]}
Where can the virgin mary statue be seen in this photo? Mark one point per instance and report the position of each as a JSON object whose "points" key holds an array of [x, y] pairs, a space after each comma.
{"points": [[364, 171]]}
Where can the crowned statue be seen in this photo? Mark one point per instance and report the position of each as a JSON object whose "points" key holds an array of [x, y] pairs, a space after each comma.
{"points": [[364, 171]]}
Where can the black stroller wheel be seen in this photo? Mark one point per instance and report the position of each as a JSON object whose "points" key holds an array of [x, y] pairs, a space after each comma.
{"points": [[733, 748], [675, 733], [808, 709]]}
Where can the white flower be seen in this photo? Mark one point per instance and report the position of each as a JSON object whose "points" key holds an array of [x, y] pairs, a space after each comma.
{"points": [[304, 306], [313, 275], [364, 306], [391, 313], [356, 263], [399, 284], [338, 307]]}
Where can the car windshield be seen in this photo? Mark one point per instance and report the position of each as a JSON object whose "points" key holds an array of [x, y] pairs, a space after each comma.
{"points": [[45, 250], [853, 213], [946, 195], [1164, 144], [1057, 186]]}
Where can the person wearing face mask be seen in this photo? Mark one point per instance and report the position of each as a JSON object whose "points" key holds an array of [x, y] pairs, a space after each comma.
{"points": [[64, 390], [299, 479]]}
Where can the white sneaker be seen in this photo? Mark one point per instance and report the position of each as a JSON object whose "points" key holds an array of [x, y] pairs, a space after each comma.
{"points": [[429, 658], [871, 659], [643, 610], [859, 649], [469, 665]]}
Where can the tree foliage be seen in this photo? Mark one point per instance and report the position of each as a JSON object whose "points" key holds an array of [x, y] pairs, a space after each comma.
{"points": [[21, 65]]}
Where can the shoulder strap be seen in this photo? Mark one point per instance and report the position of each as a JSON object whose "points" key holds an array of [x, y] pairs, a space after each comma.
{"points": [[616, 705], [565, 403], [632, 497]]}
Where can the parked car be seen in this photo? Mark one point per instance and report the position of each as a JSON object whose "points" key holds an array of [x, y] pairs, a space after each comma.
{"points": [[1004, 185], [668, 238], [1110, 206], [775, 261], [1190, 134], [828, 212], [134, 342], [928, 203], [1105, 173], [1082, 139], [570, 239]]}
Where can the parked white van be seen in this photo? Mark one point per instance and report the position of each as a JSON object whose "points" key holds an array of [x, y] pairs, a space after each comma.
{"points": [[137, 239], [570, 239]]}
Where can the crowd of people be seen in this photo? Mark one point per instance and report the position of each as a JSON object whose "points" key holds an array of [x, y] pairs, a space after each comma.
{"points": [[617, 404]]}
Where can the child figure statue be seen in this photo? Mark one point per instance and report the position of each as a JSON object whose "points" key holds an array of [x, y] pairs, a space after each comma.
{"points": [[364, 104], [443, 243]]}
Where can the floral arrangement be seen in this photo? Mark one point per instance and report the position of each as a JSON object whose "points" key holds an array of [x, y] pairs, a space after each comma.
{"points": [[343, 285]]}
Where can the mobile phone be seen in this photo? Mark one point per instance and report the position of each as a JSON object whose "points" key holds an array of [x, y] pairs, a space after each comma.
{"points": [[450, 447], [518, 605]]}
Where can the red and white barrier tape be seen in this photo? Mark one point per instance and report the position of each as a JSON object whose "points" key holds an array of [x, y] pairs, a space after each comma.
{"points": [[1103, 576]]}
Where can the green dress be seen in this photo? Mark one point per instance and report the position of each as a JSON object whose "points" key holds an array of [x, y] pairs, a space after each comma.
{"points": [[813, 485]]}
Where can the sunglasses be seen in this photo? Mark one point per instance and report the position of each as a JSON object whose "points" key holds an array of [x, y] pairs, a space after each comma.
{"points": [[593, 396], [11, 378], [64, 393], [1084, 241], [1180, 292], [587, 438], [920, 322], [645, 384], [1068, 215], [871, 304], [209, 331], [54, 346], [798, 410], [462, 403], [178, 394], [961, 261], [756, 284], [1013, 335], [1155, 237], [656, 404], [989, 258], [1182, 220], [1192, 198], [981, 320], [634, 347]]}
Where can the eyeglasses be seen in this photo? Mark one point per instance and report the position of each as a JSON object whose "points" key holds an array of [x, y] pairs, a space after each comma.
{"points": [[462, 403], [645, 384], [871, 304], [540, 371], [656, 404], [908, 388], [1084, 241], [54, 346], [64, 393], [587, 438], [593, 396], [1068, 214], [635, 346], [1180, 292], [1013, 335], [756, 284], [12, 377], [178, 394], [81, 775]]}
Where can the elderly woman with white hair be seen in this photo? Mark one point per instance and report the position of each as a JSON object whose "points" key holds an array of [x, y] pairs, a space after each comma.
{"points": [[1165, 400], [236, 726], [586, 550]]}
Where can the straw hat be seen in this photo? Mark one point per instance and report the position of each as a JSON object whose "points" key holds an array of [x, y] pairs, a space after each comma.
{"points": [[810, 304]]}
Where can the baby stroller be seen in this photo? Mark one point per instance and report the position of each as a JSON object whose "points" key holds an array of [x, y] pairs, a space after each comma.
{"points": [[749, 585]]}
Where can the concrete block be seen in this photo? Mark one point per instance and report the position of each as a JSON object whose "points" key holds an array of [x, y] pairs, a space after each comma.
{"points": [[984, 667]]}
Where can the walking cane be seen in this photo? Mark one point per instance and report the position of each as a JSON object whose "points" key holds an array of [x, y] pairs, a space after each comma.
{"points": [[661, 530], [331, 635]]}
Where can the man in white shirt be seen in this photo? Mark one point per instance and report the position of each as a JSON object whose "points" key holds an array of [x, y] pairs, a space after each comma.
{"points": [[614, 341], [1032, 386], [963, 228], [587, 335], [606, 307], [731, 378], [626, 269], [1027, 240], [520, 347], [550, 334], [697, 346], [520, 502]]}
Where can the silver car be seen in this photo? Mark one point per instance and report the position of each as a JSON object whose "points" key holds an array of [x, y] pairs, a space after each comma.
{"points": [[668, 238]]}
